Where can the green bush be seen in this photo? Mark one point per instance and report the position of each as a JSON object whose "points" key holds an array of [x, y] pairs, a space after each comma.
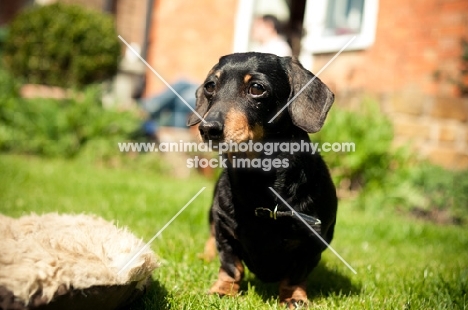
{"points": [[9, 94], [372, 134], [62, 45], [445, 193], [425, 190], [3, 36], [384, 177], [51, 127], [78, 128]]}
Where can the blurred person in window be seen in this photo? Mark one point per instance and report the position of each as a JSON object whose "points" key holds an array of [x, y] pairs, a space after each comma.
{"points": [[266, 33]]}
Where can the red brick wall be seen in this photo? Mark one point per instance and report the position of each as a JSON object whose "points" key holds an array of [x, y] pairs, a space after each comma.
{"points": [[130, 20], [187, 39], [413, 69]]}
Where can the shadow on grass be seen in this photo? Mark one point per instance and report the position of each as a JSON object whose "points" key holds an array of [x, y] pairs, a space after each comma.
{"points": [[322, 282], [155, 297], [327, 282]]}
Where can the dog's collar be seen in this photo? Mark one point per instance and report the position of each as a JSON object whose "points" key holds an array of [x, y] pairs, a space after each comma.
{"points": [[314, 222]]}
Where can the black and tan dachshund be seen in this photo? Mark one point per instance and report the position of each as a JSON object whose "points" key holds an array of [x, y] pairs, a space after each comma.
{"points": [[250, 224]]}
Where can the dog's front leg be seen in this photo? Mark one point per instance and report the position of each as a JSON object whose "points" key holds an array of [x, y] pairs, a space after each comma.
{"points": [[230, 273], [209, 253]]}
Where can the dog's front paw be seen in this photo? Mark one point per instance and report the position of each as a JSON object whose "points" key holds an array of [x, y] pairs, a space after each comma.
{"points": [[225, 288], [293, 296], [296, 304]]}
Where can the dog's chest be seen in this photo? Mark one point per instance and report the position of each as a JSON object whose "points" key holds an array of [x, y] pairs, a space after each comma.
{"points": [[266, 236], [269, 247]]}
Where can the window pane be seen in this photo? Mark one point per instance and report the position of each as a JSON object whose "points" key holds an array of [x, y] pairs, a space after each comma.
{"points": [[343, 17]]}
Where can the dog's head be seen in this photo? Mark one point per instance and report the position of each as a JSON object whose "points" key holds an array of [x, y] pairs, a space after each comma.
{"points": [[245, 91]]}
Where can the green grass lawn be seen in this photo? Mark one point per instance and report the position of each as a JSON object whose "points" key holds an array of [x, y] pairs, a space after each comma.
{"points": [[401, 263]]}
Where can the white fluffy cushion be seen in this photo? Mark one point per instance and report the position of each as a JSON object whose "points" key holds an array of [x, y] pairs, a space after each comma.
{"points": [[52, 254]]}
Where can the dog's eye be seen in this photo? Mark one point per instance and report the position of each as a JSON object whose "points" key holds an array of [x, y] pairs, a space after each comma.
{"points": [[256, 89], [210, 87]]}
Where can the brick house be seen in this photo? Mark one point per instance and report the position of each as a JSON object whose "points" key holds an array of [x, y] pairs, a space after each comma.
{"points": [[411, 56]]}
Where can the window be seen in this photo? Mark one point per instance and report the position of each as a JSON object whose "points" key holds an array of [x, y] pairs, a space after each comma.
{"points": [[343, 17], [330, 24]]}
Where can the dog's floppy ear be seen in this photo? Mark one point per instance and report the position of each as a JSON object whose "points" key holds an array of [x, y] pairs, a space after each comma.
{"points": [[310, 104], [200, 107]]}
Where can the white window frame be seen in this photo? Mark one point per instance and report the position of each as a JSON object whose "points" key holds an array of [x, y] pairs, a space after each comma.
{"points": [[314, 23], [243, 22]]}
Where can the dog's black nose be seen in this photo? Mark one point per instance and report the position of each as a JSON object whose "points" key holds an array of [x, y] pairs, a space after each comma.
{"points": [[211, 130]]}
